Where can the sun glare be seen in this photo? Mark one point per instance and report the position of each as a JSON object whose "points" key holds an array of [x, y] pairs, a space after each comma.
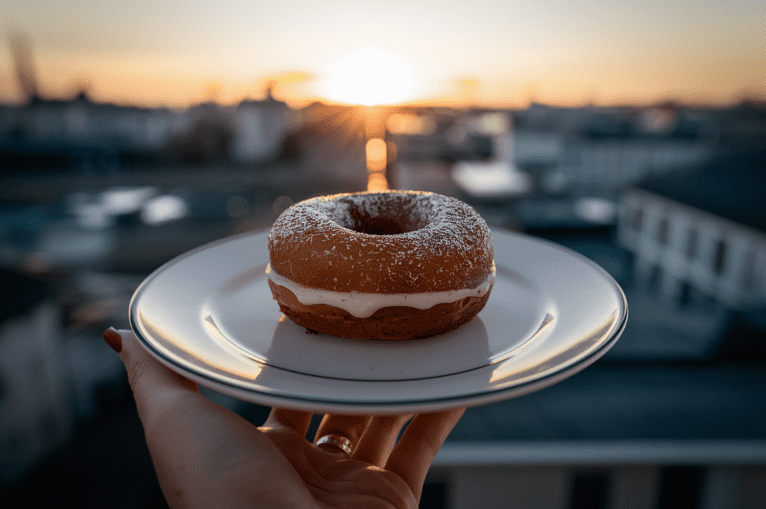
{"points": [[370, 78]]}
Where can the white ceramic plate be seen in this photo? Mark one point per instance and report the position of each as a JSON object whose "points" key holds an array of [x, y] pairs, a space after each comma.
{"points": [[209, 315]]}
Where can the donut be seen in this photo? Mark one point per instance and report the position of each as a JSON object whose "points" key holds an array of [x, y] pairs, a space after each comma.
{"points": [[391, 265]]}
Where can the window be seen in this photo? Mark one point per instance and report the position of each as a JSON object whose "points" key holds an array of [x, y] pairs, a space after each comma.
{"points": [[719, 257], [680, 487], [663, 226], [655, 278], [691, 243], [590, 490], [685, 295], [637, 218]]}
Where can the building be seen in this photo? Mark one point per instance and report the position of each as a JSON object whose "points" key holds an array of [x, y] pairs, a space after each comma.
{"points": [[37, 406], [565, 150], [88, 136], [80, 134], [619, 435], [260, 129], [606, 149], [700, 234], [674, 416]]}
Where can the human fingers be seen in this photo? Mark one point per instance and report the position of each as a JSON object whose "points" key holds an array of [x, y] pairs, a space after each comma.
{"points": [[202, 452], [340, 433], [424, 436], [379, 439], [160, 395], [292, 419]]}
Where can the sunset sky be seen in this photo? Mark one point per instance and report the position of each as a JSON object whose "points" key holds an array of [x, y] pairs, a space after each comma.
{"points": [[176, 53]]}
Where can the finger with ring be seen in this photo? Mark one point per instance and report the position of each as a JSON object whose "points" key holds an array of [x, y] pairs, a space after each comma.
{"points": [[338, 441], [348, 427]]}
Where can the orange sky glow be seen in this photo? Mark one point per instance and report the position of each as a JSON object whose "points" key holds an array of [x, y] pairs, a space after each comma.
{"points": [[178, 53]]}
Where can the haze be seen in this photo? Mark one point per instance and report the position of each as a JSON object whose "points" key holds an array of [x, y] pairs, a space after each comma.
{"points": [[482, 52]]}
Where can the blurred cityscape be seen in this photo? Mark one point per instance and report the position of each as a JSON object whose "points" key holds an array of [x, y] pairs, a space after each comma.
{"points": [[668, 198]]}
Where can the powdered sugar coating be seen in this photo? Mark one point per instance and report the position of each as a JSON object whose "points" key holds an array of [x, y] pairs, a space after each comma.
{"points": [[444, 244]]}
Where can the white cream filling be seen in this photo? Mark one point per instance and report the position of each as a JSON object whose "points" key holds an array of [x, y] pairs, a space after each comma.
{"points": [[364, 305]]}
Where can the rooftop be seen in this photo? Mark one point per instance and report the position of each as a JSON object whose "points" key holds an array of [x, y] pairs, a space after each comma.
{"points": [[637, 402], [730, 187]]}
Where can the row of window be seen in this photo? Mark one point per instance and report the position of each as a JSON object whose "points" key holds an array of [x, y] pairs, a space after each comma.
{"points": [[720, 253], [687, 294]]}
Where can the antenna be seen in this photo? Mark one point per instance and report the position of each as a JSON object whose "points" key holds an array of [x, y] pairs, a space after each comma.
{"points": [[24, 65]]}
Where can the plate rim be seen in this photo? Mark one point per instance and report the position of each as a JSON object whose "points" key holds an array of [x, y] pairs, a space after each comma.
{"points": [[284, 399]]}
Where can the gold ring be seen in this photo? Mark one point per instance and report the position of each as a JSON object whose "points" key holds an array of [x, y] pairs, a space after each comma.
{"points": [[339, 441]]}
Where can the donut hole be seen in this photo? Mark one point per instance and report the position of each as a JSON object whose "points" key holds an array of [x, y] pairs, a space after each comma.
{"points": [[390, 214], [380, 214], [380, 226]]}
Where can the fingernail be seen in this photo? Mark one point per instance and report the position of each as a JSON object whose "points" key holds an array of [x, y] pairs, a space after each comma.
{"points": [[113, 339]]}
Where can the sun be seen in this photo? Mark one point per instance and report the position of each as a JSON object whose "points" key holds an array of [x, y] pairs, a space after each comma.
{"points": [[369, 77]]}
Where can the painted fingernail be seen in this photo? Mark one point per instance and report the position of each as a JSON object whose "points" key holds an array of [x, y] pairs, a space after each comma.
{"points": [[113, 339]]}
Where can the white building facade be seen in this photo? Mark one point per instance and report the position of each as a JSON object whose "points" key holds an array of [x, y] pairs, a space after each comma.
{"points": [[260, 128], [683, 252]]}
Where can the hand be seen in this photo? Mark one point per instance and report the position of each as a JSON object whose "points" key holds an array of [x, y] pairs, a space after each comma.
{"points": [[207, 456]]}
